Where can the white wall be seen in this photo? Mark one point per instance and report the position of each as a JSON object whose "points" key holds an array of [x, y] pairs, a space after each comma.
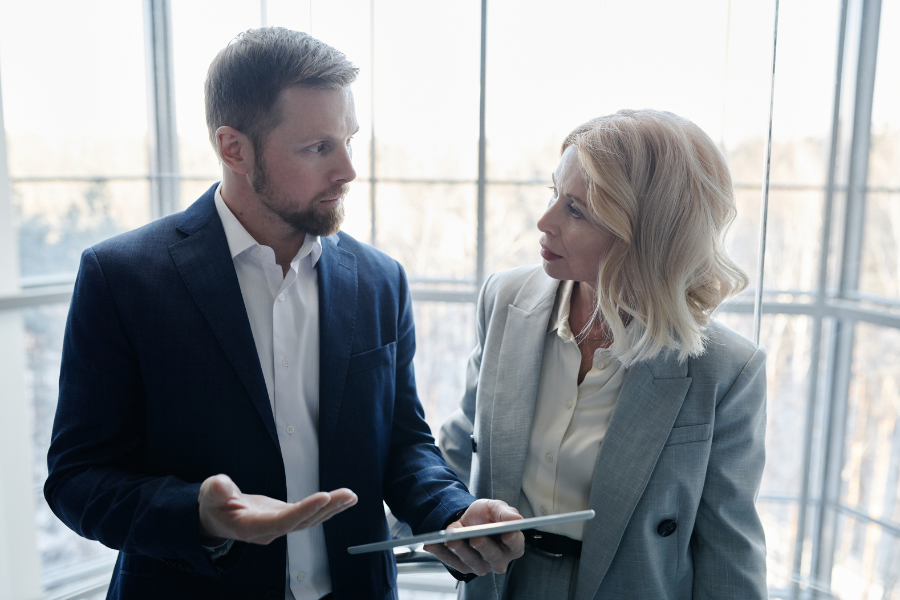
{"points": [[19, 559]]}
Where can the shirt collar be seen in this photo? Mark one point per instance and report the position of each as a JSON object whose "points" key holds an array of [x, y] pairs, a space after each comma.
{"points": [[559, 318], [239, 240]]}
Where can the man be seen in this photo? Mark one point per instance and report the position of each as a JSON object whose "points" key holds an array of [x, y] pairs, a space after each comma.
{"points": [[224, 365]]}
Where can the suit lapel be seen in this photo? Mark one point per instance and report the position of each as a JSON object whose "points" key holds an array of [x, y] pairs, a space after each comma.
{"points": [[338, 286], [205, 264], [648, 404], [518, 373]]}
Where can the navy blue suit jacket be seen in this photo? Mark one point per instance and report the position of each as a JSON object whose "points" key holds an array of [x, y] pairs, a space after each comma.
{"points": [[161, 387]]}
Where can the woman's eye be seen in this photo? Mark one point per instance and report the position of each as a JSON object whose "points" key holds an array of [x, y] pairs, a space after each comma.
{"points": [[575, 212]]}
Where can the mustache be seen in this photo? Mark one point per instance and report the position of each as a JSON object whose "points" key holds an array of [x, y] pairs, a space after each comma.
{"points": [[335, 192]]}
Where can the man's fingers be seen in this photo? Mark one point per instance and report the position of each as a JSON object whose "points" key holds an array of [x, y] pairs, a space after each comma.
{"points": [[340, 501]]}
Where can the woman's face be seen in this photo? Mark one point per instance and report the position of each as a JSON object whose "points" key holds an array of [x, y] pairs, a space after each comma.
{"points": [[573, 242]]}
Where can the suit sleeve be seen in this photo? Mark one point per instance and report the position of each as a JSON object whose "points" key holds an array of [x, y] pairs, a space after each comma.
{"points": [[455, 437], [96, 485], [419, 487], [728, 542]]}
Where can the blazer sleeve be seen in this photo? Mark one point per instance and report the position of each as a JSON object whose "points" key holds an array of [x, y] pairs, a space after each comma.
{"points": [[728, 542], [95, 484], [419, 487], [455, 438]]}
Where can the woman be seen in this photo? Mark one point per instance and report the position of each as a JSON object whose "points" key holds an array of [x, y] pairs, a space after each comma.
{"points": [[600, 380]]}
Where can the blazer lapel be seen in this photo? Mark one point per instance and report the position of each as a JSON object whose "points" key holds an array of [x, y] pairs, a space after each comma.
{"points": [[519, 364], [205, 264], [338, 286], [648, 404]]}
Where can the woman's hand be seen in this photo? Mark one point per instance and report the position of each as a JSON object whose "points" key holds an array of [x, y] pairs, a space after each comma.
{"points": [[226, 513], [482, 555]]}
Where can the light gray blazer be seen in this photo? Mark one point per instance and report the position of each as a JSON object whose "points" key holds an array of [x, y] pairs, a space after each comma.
{"points": [[685, 442]]}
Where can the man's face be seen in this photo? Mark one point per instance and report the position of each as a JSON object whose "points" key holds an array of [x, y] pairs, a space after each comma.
{"points": [[304, 169]]}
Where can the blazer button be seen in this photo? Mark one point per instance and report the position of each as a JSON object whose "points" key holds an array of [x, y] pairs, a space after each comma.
{"points": [[666, 528], [273, 595], [474, 444]]}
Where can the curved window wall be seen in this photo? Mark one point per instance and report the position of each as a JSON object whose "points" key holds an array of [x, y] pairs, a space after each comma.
{"points": [[462, 108]]}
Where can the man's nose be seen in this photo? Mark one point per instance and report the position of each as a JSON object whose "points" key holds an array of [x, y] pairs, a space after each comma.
{"points": [[343, 171]]}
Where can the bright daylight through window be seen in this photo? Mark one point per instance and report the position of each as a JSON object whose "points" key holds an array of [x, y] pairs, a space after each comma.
{"points": [[462, 108]]}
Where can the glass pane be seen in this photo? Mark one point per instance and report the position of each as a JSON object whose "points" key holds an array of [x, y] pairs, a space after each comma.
{"points": [[880, 269], [866, 564], [779, 519], [44, 327], [445, 336], [358, 212], [74, 91], [58, 220], [193, 49], [426, 89], [885, 150], [511, 227], [702, 60], [866, 561], [430, 229]]}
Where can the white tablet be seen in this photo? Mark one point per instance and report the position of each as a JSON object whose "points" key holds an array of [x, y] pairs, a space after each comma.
{"points": [[463, 533]]}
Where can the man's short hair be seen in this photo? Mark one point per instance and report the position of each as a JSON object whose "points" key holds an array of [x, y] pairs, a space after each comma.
{"points": [[246, 77]]}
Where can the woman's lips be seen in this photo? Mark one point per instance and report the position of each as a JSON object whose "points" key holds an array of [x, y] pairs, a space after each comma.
{"points": [[547, 255]]}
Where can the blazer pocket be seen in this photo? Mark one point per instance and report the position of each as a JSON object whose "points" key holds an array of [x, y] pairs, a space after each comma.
{"points": [[691, 433], [371, 359]]}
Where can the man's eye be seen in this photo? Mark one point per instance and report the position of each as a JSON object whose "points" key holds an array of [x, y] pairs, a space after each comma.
{"points": [[319, 147]]}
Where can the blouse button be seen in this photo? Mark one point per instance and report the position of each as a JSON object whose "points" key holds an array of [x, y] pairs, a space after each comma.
{"points": [[568, 404], [549, 457], [543, 510]]}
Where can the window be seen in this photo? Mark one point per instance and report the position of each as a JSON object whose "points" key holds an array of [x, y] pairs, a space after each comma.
{"points": [[453, 189]]}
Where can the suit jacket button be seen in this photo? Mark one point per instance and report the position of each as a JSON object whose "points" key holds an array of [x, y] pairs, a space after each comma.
{"points": [[474, 444], [273, 595], [666, 528]]}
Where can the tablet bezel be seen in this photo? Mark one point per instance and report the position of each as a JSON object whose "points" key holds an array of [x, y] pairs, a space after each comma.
{"points": [[462, 533]]}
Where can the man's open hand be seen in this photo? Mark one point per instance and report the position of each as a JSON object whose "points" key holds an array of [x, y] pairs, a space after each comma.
{"points": [[226, 513], [482, 555]]}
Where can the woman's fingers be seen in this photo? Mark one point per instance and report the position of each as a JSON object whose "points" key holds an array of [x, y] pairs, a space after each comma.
{"points": [[443, 554]]}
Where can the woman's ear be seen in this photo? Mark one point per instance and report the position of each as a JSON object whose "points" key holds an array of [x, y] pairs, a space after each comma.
{"points": [[234, 149]]}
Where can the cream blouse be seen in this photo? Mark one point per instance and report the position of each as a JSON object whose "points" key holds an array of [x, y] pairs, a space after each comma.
{"points": [[570, 421]]}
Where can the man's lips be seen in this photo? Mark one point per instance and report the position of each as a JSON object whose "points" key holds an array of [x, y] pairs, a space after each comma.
{"points": [[547, 255]]}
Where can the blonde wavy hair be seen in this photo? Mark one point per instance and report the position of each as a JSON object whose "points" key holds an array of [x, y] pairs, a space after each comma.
{"points": [[660, 185]]}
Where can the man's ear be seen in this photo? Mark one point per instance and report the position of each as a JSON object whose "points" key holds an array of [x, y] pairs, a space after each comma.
{"points": [[235, 149]]}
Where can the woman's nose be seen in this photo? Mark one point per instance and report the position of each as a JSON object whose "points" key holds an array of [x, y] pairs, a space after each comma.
{"points": [[547, 222]]}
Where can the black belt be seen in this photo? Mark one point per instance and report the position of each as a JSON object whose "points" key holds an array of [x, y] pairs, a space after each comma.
{"points": [[551, 544]]}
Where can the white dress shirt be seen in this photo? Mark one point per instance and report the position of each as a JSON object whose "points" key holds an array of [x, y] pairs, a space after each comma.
{"points": [[284, 318], [570, 421]]}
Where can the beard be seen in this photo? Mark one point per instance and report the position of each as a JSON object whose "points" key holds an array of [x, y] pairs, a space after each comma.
{"points": [[309, 220]]}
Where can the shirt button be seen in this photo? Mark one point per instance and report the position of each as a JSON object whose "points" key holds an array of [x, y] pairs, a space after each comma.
{"points": [[301, 576], [543, 510], [290, 429], [281, 297], [601, 365], [549, 457], [568, 404], [286, 361]]}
